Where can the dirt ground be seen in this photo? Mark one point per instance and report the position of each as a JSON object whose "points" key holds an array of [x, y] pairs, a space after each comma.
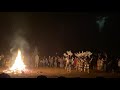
{"points": [[56, 72]]}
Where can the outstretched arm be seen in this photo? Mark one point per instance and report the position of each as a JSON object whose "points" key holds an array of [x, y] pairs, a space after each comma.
{"points": [[91, 60]]}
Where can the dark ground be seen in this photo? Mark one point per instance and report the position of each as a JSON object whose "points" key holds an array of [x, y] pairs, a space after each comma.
{"points": [[57, 72]]}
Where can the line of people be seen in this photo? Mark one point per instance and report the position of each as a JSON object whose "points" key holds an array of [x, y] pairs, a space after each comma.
{"points": [[81, 64], [68, 63]]}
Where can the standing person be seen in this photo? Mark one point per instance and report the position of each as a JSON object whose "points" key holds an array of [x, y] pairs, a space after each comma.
{"points": [[0, 61], [36, 61], [63, 62], [118, 64], [43, 62], [101, 64], [55, 62], [75, 62], [60, 62], [70, 64], [81, 65], [98, 64], [88, 68], [51, 62], [69, 67], [46, 62], [66, 62], [35, 51], [104, 65], [92, 64], [105, 61], [3, 60], [81, 61], [85, 66]]}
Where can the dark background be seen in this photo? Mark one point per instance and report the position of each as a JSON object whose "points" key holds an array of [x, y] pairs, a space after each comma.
{"points": [[55, 32]]}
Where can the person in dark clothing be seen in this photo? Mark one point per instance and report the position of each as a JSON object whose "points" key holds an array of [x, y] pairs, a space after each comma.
{"points": [[3, 75], [41, 76]]}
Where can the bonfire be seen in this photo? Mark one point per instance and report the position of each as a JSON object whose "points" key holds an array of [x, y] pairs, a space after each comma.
{"points": [[18, 66]]}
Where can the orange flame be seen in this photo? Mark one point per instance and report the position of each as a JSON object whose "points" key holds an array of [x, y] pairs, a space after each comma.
{"points": [[18, 65]]}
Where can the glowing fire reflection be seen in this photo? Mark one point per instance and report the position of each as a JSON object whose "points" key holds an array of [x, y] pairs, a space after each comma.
{"points": [[18, 66]]}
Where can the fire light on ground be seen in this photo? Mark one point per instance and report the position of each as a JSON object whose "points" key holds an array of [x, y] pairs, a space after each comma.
{"points": [[18, 66]]}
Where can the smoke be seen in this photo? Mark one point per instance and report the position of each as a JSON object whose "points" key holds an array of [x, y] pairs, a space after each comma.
{"points": [[101, 22], [19, 41]]}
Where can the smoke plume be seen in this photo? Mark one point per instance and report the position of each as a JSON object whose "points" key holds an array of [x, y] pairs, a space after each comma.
{"points": [[19, 41]]}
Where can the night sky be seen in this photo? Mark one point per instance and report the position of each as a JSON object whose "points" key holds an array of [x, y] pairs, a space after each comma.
{"points": [[55, 32]]}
